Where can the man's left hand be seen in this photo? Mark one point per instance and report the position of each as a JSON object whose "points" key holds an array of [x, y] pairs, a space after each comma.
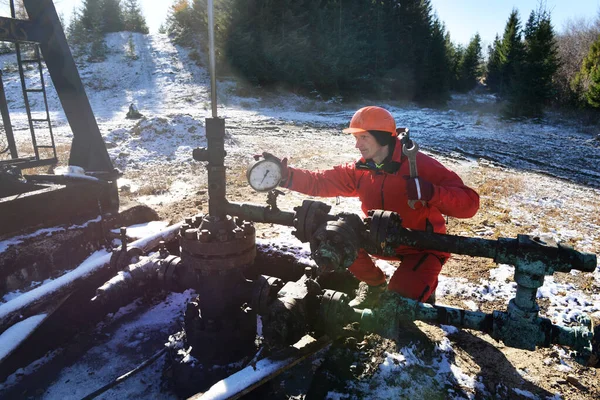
{"points": [[418, 189]]}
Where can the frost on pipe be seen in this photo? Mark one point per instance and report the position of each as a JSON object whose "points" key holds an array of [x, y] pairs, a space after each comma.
{"points": [[251, 377], [21, 306]]}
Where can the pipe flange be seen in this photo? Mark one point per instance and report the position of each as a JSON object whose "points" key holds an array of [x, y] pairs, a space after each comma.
{"points": [[215, 246], [219, 264], [120, 259], [382, 226], [334, 312], [309, 217], [335, 245], [264, 292]]}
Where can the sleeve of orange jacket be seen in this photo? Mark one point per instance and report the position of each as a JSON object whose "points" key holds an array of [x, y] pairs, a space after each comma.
{"points": [[451, 196], [338, 181]]}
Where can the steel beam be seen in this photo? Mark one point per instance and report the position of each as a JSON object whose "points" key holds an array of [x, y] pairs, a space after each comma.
{"points": [[17, 30], [88, 149]]}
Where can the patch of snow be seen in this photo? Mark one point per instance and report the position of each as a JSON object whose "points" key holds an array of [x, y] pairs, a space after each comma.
{"points": [[471, 305], [5, 244], [121, 353], [566, 302], [139, 231], [524, 393], [127, 183], [75, 172], [499, 285], [178, 190], [564, 368], [387, 268], [12, 337], [444, 345], [93, 262], [449, 329]]}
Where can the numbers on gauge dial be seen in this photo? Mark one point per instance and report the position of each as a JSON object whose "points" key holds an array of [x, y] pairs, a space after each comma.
{"points": [[264, 175]]}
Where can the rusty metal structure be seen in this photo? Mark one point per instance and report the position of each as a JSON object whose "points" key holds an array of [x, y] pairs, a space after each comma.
{"points": [[30, 200], [216, 261]]}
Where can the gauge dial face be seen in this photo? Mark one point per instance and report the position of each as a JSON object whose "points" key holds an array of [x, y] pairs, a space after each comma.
{"points": [[264, 175]]}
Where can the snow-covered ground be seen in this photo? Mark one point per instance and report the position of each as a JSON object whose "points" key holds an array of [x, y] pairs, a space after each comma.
{"points": [[174, 95]]}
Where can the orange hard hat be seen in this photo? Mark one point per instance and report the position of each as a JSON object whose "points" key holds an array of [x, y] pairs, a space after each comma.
{"points": [[372, 118]]}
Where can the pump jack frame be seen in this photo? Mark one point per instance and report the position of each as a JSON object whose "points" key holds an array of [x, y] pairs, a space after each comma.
{"points": [[50, 200]]}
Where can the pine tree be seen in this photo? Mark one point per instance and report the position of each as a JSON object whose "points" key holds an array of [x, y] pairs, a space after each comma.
{"points": [[90, 14], [470, 65], [85, 31], [587, 81], [532, 88], [112, 16], [133, 20], [435, 85], [541, 63], [179, 22], [76, 33], [410, 42], [511, 53], [455, 54], [494, 65]]}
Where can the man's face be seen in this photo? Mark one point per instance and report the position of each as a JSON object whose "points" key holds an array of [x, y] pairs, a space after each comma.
{"points": [[369, 148]]}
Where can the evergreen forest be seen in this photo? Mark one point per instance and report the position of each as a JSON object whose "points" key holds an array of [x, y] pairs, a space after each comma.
{"points": [[359, 48]]}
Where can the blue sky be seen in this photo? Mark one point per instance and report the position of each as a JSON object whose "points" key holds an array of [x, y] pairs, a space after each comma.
{"points": [[463, 18]]}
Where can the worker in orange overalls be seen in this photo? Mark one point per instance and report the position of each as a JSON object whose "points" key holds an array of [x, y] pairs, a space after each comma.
{"points": [[381, 180]]}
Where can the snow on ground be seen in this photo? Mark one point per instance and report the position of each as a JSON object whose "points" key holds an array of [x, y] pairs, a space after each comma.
{"points": [[128, 344], [15, 240], [173, 94], [139, 231], [566, 302]]}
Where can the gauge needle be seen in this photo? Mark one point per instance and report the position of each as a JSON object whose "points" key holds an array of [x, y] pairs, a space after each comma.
{"points": [[266, 173]]}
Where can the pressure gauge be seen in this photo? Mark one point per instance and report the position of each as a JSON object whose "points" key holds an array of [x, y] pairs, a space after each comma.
{"points": [[264, 174]]}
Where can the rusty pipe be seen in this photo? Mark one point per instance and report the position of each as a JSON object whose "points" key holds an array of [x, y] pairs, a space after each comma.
{"points": [[257, 213], [515, 329], [506, 251]]}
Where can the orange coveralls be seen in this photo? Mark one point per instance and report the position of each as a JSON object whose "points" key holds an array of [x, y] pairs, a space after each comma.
{"points": [[417, 275]]}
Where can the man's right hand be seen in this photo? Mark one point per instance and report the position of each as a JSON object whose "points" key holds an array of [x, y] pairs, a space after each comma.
{"points": [[284, 164]]}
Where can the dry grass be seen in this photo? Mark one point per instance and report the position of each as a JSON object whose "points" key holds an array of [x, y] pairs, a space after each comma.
{"points": [[156, 126], [62, 154], [505, 187], [236, 176], [595, 217], [152, 183], [154, 188]]}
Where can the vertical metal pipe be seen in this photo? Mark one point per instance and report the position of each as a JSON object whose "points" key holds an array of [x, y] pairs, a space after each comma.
{"points": [[211, 44]]}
